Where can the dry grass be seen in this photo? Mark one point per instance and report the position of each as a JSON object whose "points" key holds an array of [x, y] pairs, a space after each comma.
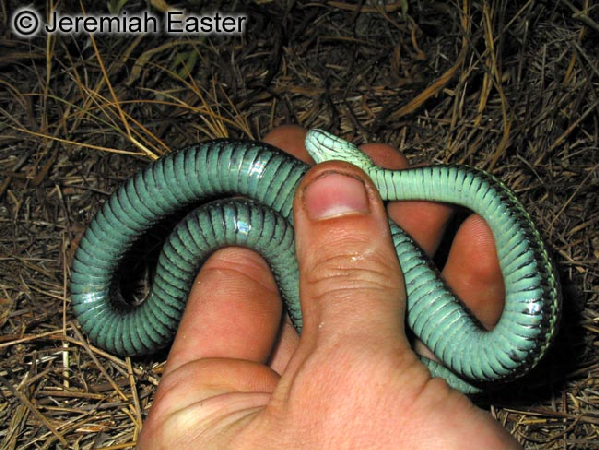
{"points": [[511, 87]]}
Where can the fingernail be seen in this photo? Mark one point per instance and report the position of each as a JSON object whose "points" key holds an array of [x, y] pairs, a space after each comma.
{"points": [[333, 194]]}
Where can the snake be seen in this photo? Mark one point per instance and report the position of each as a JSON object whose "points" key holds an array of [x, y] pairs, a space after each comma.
{"points": [[245, 190]]}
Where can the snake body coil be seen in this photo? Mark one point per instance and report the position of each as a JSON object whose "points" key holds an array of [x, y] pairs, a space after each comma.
{"points": [[268, 178]]}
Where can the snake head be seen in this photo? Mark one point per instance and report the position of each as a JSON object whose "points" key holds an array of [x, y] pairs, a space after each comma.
{"points": [[324, 146]]}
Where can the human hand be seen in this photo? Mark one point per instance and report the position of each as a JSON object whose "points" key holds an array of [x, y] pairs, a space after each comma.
{"points": [[233, 379]]}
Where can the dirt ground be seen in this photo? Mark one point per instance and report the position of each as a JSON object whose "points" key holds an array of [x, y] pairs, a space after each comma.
{"points": [[511, 87]]}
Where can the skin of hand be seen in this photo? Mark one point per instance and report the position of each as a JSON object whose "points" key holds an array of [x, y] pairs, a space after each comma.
{"points": [[239, 377]]}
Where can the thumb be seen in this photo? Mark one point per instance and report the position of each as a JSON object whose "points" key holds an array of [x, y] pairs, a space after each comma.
{"points": [[350, 282]]}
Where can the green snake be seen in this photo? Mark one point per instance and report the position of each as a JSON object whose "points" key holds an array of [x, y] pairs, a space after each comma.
{"points": [[263, 180]]}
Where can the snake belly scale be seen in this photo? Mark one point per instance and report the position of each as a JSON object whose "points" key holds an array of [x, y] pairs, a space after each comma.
{"points": [[267, 178]]}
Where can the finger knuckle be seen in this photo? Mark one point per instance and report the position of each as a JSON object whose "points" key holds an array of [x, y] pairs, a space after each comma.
{"points": [[344, 272]]}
